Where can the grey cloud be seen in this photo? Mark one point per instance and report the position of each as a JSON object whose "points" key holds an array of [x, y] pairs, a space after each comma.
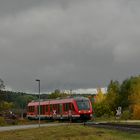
{"points": [[68, 44]]}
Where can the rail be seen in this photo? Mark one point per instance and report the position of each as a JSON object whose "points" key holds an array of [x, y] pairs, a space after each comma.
{"points": [[118, 126]]}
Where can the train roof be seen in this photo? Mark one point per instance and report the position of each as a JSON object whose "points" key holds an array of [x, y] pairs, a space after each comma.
{"points": [[57, 100]]}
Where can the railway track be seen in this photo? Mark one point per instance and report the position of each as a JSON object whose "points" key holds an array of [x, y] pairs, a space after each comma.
{"points": [[121, 127]]}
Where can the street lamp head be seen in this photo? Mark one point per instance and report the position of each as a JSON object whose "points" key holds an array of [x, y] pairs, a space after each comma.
{"points": [[37, 80]]}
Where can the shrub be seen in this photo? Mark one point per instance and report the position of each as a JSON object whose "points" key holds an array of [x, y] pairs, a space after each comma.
{"points": [[101, 109], [126, 115], [2, 121]]}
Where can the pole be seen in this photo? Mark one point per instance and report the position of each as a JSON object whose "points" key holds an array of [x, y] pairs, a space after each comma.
{"points": [[39, 101]]}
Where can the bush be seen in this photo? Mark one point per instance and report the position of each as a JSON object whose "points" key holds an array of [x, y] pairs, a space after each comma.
{"points": [[126, 115], [101, 109], [2, 121]]}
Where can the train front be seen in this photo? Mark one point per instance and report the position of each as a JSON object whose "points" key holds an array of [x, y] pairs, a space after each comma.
{"points": [[84, 107]]}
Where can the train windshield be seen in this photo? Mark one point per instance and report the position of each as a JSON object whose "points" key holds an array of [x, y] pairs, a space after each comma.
{"points": [[83, 104]]}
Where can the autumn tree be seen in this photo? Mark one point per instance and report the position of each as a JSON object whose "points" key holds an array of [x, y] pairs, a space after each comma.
{"points": [[100, 107], [134, 98], [100, 96]]}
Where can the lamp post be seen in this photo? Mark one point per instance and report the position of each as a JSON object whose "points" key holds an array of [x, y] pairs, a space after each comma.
{"points": [[39, 100]]}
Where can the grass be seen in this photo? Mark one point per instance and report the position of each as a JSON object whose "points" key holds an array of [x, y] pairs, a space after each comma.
{"points": [[69, 132], [20, 122]]}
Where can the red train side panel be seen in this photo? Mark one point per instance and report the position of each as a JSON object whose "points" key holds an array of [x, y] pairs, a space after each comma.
{"points": [[69, 108]]}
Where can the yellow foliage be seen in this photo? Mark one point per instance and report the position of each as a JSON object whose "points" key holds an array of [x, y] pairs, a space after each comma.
{"points": [[135, 101], [136, 111], [5, 106], [100, 96], [135, 95]]}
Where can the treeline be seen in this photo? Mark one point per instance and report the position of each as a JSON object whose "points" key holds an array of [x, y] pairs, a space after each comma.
{"points": [[17, 101], [14, 101], [125, 95]]}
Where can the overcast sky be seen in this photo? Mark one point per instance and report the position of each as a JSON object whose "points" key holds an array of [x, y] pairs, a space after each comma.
{"points": [[68, 44]]}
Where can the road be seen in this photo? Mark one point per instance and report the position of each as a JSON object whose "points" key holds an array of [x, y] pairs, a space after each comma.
{"points": [[9, 128], [16, 127]]}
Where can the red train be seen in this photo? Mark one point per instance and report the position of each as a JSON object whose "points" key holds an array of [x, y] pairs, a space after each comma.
{"points": [[74, 108]]}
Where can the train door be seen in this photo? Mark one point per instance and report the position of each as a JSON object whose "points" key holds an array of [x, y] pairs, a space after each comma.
{"points": [[61, 110], [51, 110], [36, 112], [47, 111]]}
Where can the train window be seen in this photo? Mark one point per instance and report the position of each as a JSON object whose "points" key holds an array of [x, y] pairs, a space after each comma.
{"points": [[46, 108], [83, 104], [31, 108], [54, 107], [38, 109], [41, 109], [51, 108], [67, 106], [72, 107], [64, 106], [58, 108]]}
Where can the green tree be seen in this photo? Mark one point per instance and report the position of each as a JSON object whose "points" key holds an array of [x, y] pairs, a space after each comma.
{"points": [[125, 91], [129, 86], [2, 86], [21, 102], [57, 94], [113, 95], [100, 109], [5, 106]]}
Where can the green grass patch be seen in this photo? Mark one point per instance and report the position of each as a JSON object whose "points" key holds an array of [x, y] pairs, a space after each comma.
{"points": [[68, 132]]}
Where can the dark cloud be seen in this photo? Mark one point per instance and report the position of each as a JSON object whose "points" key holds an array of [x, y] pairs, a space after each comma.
{"points": [[68, 44]]}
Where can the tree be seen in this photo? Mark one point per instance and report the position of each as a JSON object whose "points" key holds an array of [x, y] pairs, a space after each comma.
{"points": [[100, 96], [101, 109], [113, 95], [21, 102], [129, 89], [57, 94], [2, 86], [113, 86], [135, 93], [125, 91], [5, 106], [136, 111], [134, 98]]}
